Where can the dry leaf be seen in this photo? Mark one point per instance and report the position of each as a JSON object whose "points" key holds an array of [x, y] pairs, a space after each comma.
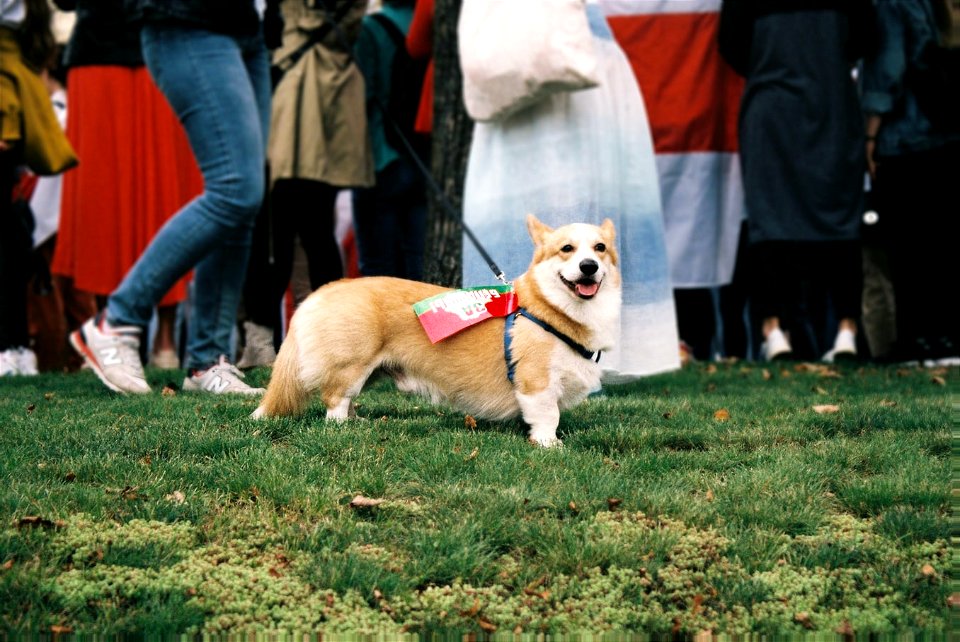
{"points": [[954, 600], [888, 404], [168, 391], [711, 369], [940, 381], [767, 375], [176, 497], [613, 503], [364, 502], [473, 454], [819, 390], [845, 628], [470, 422], [826, 409], [34, 521], [7, 565], [803, 618], [486, 626], [60, 629], [572, 506], [928, 570], [709, 495], [722, 415], [31, 408], [69, 477], [146, 460], [49, 395]]}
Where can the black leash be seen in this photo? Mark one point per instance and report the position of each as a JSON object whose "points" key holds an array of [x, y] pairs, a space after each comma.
{"points": [[445, 203]]}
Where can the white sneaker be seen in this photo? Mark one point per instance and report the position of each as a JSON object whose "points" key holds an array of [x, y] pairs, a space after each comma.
{"points": [[9, 362], [258, 347], [844, 348], [776, 346], [222, 378], [113, 353], [28, 362]]}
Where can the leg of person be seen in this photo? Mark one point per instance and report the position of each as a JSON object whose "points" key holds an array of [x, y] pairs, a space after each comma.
{"points": [[375, 226], [15, 244], [696, 321], [771, 294], [223, 105], [413, 222], [164, 340], [846, 294], [316, 229]]}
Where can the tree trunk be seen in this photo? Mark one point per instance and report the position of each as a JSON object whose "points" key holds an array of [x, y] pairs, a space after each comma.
{"points": [[452, 130]]}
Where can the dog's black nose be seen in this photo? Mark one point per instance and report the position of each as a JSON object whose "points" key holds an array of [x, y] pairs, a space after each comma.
{"points": [[589, 266]]}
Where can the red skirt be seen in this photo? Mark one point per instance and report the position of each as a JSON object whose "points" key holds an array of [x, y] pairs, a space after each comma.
{"points": [[136, 170]]}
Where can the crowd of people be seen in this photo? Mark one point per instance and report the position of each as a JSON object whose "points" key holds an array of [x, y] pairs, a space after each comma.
{"points": [[160, 166]]}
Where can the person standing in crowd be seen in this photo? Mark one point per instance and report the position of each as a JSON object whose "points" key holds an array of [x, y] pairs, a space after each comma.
{"points": [[390, 218], [581, 156], [914, 162], [210, 61], [318, 146], [138, 168], [802, 159], [30, 136]]}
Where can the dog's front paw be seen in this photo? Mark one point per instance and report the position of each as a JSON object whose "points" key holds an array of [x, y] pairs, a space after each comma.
{"points": [[545, 441], [259, 413]]}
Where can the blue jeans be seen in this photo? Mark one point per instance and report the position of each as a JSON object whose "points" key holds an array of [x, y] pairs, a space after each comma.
{"points": [[219, 87]]}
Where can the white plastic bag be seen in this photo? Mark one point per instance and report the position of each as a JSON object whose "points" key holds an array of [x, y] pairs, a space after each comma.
{"points": [[515, 52]]}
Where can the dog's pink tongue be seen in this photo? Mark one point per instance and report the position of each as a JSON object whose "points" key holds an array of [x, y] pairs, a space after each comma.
{"points": [[587, 289]]}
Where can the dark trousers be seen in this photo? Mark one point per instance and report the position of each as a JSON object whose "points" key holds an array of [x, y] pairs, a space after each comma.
{"points": [[16, 246], [808, 286], [915, 197], [389, 221], [294, 208]]}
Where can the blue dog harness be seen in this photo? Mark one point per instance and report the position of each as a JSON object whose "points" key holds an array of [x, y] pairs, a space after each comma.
{"points": [[507, 339]]}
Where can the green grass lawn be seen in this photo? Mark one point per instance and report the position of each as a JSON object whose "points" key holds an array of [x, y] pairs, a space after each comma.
{"points": [[726, 498]]}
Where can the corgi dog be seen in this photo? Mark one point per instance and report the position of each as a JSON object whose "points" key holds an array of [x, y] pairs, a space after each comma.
{"points": [[533, 363]]}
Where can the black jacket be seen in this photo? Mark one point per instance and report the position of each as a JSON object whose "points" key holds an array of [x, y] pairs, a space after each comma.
{"points": [[234, 17], [101, 35]]}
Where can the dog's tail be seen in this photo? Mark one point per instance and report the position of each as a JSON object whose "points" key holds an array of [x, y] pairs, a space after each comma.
{"points": [[285, 394]]}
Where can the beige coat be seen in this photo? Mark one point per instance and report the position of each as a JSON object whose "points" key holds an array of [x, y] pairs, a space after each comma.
{"points": [[318, 126]]}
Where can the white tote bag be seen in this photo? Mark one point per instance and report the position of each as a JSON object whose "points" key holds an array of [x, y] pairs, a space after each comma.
{"points": [[515, 52]]}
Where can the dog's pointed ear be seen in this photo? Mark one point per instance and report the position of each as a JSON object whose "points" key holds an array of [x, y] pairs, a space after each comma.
{"points": [[608, 230], [537, 229]]}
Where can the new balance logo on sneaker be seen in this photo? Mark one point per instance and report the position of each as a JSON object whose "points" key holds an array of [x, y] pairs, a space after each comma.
{"points": [[113, 353], [220, 378], [110, 357], [216, 385]]}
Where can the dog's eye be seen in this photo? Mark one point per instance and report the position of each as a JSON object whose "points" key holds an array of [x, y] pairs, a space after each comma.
{"points": [[566, 248], [600, 247]]}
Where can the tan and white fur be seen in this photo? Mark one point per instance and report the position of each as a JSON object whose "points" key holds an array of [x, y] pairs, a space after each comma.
{"points": [[346, 330]]}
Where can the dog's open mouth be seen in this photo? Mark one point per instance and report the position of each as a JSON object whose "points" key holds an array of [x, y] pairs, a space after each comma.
{"points": [[585, 288]]}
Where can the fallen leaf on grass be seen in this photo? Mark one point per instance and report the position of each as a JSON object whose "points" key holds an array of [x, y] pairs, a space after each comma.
{"points": [[803, 618], [928, 570], [470, 422], [888, 404], [709, 495], [489, 627], [722, 415], [473, 454], [939, 381], [69, 477], [35, 521], [60, 629], [49, 395], [954, 601], [31, 408], [613, 503], [168, 391], [176, 497], [364, 502], [7, 565], [826, 409]]}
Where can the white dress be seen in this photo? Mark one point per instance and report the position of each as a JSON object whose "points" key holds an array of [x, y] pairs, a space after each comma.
{"points": [[580, 157]]}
